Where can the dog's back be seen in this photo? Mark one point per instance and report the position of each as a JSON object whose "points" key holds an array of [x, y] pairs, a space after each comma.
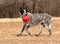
{"points": [[38, 18]]}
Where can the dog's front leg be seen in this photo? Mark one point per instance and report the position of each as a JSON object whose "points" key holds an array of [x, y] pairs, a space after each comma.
{"points": [[22, 30], [27, 27], [40, 30]]}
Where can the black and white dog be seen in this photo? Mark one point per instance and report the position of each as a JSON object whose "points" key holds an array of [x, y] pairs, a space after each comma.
{"points": [[43, 19]]}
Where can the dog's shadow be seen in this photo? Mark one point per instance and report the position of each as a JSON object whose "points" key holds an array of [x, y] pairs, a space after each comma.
{"points": [[30, 35]]}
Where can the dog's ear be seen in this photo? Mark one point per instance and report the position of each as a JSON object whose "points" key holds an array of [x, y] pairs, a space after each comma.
{"points": [[21, 10], [26, 8]]}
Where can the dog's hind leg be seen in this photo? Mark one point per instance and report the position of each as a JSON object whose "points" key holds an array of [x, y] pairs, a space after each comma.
{"points": [[49, 29]]}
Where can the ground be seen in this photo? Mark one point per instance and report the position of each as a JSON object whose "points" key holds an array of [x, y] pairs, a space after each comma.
{"points": [[9, 28]]}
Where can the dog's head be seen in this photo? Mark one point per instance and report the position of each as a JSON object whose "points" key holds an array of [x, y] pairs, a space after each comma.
{"points": [[23, 10]]}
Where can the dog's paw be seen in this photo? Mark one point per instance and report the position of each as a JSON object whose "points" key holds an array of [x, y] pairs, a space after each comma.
{"points": [[36, 34], [19, 34]]}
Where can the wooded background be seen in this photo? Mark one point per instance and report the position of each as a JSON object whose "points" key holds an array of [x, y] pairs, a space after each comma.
{"points": [[10, 8]]}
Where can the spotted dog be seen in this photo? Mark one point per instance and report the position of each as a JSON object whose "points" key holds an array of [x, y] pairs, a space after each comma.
{"points": [[43, 19]]}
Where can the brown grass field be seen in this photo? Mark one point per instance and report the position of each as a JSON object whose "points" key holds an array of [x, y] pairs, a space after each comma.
{"points": [[9, 28]]}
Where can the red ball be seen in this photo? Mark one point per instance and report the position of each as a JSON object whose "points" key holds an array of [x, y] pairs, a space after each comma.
{"points": [[25, 18]]}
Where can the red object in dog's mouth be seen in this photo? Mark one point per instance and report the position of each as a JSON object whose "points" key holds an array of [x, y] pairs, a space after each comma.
{"points": [[25, 18]]}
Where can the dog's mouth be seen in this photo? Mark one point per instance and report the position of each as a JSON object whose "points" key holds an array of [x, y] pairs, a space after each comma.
{"points": [[25, 14]]}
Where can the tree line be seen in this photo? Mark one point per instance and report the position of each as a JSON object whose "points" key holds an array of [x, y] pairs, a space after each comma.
{"points": [[10, 8]]}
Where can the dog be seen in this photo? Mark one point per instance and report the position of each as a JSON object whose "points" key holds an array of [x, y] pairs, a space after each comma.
{"points": [[43, 19]]}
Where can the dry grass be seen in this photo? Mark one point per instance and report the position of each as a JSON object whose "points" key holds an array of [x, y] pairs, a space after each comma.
{"points": [[9, 28]]}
